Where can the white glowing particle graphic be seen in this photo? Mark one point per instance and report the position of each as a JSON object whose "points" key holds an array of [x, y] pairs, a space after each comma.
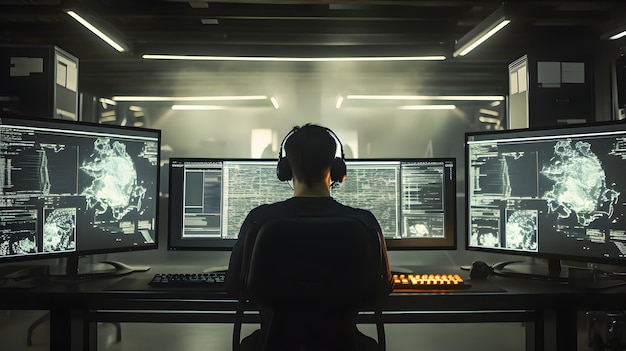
{"points": [[18, 247], [59, 230], [419, 230], [114, 186], [580, 183], [486, 240], [521, 230], [24, 246]]}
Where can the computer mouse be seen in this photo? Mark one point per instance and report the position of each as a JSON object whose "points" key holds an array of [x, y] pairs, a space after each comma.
{"points": [[480, 270]]}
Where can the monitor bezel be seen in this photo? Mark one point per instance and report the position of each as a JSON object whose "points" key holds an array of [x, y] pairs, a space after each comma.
{"points": [[555, 130], [175, 243], [84, 125]]}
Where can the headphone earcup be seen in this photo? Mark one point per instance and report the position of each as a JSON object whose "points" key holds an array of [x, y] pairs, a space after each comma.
{"points": [[283, 169], [338, 170]]}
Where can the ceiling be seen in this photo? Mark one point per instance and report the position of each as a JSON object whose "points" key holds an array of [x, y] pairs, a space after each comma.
{"points": [[303, 29]]}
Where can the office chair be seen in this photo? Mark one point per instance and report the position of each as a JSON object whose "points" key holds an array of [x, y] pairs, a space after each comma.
{"points": [[315, 274]]}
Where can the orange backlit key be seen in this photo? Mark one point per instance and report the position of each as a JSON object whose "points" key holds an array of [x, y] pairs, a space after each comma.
{"points": [[428, 282]]}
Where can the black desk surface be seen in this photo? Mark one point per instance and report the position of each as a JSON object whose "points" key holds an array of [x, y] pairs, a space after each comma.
{"points": [[551, 307], [133, 290]]}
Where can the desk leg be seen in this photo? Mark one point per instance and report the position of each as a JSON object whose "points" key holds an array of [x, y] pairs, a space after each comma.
{"points": [[535, 334], [560, 330], [67, 330], [566, 330], [91, 336]]}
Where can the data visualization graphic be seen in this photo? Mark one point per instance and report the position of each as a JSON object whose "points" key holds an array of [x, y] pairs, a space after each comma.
{"points": [[114, 187], [74, 188], [553, 193], [411, 198], [579, 183]]}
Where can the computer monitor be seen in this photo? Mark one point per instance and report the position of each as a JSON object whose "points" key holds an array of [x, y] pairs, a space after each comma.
{"points": [[413, 199], [73, 188], [553, 193]]}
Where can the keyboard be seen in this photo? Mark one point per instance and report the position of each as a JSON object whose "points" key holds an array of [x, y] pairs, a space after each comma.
{"points": [[428, 282], [214, 280]]}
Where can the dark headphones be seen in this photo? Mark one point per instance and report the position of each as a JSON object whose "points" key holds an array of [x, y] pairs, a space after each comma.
{"points": [[338, 169]]}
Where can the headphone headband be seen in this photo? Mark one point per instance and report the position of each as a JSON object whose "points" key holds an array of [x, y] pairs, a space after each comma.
{"points": [[338, 168]]}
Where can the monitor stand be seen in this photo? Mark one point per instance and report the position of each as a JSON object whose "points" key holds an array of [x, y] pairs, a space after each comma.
{"points": [[72, 271], [19, 272], [215, 269], [24, 276], [550, 272]]}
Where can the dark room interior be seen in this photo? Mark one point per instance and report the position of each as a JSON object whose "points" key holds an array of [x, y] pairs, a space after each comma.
{"points": [[193, 86]]}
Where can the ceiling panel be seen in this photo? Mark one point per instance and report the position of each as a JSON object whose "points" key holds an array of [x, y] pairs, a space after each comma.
{"points": [[303, 28]]}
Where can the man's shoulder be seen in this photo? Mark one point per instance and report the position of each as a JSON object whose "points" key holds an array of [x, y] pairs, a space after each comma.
{"points": [[360, 213], [267, 209], [355, 210]]}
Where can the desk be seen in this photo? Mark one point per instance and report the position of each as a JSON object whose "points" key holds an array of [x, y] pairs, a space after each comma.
{"points": [[549, 309]]}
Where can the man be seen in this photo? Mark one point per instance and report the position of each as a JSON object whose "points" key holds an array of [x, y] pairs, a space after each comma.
{"points": [[311, 164]]}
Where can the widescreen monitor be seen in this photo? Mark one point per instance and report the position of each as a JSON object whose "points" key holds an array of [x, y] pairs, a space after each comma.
{"points": [[413, 199], [74, 188], [554, 193]]}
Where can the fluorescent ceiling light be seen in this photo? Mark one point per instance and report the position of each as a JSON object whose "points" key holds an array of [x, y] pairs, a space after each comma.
{"points": [[618, 35], [291, 59], [427, 107], [190, 98], [274, 102], [426, 97], [483, 31], [107, 101], [108, 119], [339, 102], [489, 120], [465, 49], [489, 112], [117, 46], [197, 107]]}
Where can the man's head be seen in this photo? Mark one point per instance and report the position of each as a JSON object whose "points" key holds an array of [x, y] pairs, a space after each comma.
{"points": [[310, 151]]}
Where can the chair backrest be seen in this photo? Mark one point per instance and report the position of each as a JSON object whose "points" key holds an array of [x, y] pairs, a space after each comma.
{"points": [[334, 260], [314, 274]]}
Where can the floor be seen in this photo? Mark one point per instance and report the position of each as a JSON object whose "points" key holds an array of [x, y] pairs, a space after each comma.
{"points": [[210, 337]]}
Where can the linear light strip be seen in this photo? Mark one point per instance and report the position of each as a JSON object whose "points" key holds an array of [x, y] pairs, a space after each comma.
{"points": [[107, 101], [426, 97], [96, 31], [618, 35], [472, 44], [427, 107], [339, 102], [291, 59], [274, 102], [546, 137], [489, 112], [197, 107], [190, 98], [486, 119]]}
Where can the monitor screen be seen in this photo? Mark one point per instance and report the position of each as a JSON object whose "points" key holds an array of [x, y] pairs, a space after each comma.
{"points": [[413, 199], [551, 193], [73, 188]]}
